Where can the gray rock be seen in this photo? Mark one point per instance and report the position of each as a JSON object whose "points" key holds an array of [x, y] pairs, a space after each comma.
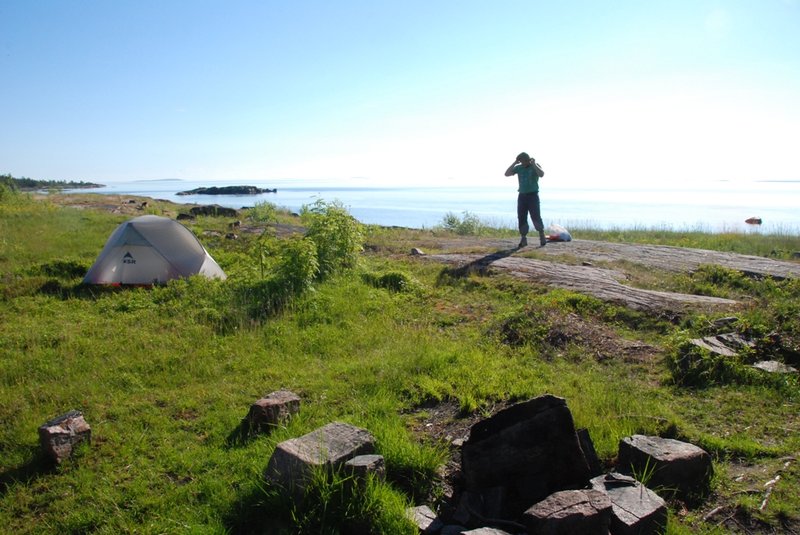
{"points": [[329, 446], [425, 519], [568, 512], [727, 345], [272, 410], [727, 321], [60, 436], [530, 449], [774, 366], [362, 465], [677, 467], [635, 509]]}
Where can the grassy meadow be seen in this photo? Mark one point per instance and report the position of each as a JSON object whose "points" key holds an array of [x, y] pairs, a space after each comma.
{"points": [[367, 334]]}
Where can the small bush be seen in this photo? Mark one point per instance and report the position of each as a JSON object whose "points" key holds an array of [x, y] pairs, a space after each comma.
{"points": [[65, 269], [394, 281], [468, 224], [528, 326], [298, 265], [338, 236], [264, 212]]}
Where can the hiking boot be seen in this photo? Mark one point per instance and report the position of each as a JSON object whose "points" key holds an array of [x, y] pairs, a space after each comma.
{"points": [[523, 242], [542, 239]]}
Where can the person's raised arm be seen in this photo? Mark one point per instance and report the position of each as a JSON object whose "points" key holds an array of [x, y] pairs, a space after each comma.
{"points": [[510, 170]]}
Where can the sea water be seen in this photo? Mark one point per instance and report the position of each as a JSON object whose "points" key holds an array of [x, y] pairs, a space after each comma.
{"points": [[710, 207]]}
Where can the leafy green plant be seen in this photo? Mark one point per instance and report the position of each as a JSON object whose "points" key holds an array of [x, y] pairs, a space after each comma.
{"points": [[298, 265], [337, 235], [395, 281], [263, 212], [468, 224]]}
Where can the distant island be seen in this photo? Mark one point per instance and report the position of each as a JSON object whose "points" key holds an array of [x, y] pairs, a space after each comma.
{"points": [[27, 184], [228, 190]]}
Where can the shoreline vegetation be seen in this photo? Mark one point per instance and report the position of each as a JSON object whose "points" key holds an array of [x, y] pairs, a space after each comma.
{"points": [[31, 184], [365, 332]]}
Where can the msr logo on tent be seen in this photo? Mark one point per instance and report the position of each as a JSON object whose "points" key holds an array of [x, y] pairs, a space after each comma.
{"points": [[128, 259]]}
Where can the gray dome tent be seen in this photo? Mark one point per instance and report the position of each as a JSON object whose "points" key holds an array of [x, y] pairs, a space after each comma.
{"points": [[151, 250]]}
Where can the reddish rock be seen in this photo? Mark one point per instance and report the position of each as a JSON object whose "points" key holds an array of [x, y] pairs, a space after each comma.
{"points": [[635, 509], [60, 436], [568, 512], [273, 410], [674, 466]]}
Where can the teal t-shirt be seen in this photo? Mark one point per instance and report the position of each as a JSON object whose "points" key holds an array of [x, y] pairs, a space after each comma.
{"points": [[528, 179]]}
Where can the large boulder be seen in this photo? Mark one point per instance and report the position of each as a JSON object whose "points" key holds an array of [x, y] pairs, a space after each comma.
{"points": [[330, 446], [635, 509], [523, 454], [670, 466]]}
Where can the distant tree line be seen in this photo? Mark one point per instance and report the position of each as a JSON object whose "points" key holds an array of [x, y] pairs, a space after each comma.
{"points": [[25, 183]]}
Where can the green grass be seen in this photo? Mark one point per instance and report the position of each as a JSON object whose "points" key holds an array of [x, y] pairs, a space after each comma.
{"points": [[165, 375]]}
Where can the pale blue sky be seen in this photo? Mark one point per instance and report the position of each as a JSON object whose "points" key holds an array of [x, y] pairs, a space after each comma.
{"points": [[416, 92]]}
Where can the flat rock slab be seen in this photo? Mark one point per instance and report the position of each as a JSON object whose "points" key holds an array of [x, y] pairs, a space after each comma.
{"points": [[425, 519], [774, 366], [635, 509], [599, 282], [727, 345], [663, 257], [362, 465], [522, 454], [60, 436], [329, 446], [570, 511], [677, 467]]}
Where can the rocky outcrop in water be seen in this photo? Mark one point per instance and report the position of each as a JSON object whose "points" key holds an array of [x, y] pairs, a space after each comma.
{"points": [[228, 190]]}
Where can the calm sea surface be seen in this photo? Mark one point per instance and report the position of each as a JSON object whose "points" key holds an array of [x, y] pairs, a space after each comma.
{"points": [[711, 207]]}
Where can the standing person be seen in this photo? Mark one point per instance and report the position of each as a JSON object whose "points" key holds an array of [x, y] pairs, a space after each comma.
{"points": [[528, 174]]}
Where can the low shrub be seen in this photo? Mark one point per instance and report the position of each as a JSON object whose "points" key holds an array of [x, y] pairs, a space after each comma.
{"points": [[394, 281], [339, 237], [468, 224], [263, 212]]}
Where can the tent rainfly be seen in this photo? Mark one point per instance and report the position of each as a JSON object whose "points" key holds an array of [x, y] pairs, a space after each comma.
{"points": [[151, 250]]}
